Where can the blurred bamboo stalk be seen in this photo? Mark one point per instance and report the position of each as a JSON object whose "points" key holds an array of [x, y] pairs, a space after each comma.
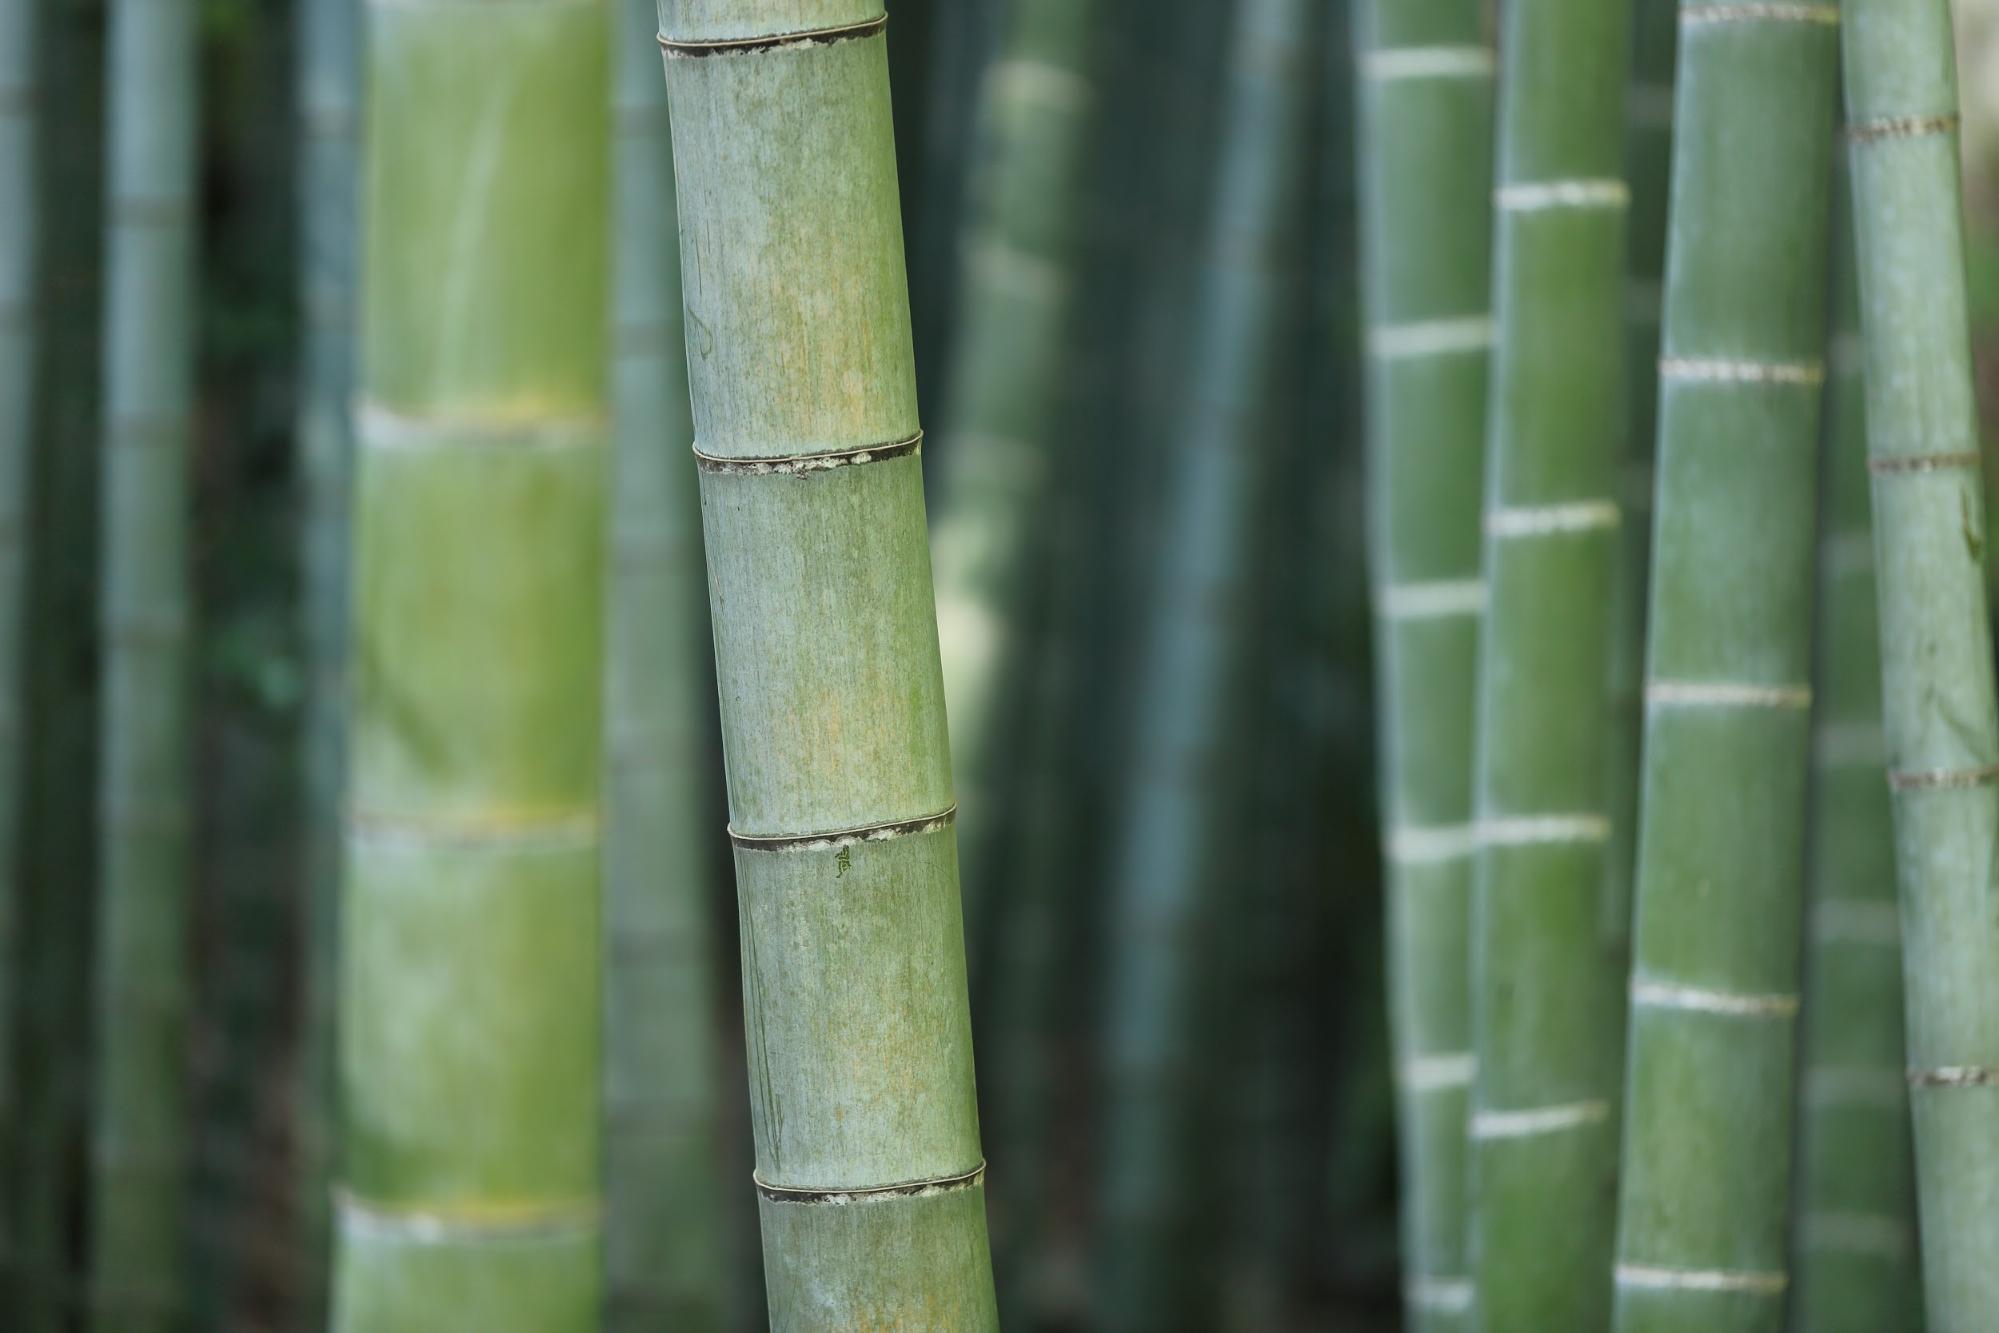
{"points": [[328, 111], [1543, 1135], [470, 980], [664, 1254], [1936, 637], [1854, 1236], [1706, 1182], [1426, 95], [139, 1152], [1184, 805], [809, 453]]}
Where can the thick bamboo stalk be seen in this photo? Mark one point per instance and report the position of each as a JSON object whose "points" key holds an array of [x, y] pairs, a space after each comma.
{"points": [[1714, 980], [470, 984], [662, 1168], [139, 1149], [807, 443], [1936, 636], [1854, 1234], [1006, 391], [1425, 79], [1544, 995], [328, 120], [20, 101], [1184, 808]]}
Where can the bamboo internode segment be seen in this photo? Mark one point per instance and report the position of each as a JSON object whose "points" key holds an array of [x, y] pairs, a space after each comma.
{"points": [[832, 709]]}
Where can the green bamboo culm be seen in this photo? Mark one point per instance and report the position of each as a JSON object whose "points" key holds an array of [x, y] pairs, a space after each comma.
{"points": [[664, 1257], [1544, 990], [470, 984], [1176, 841], [1714, 980], [1853, 1240], [1425, 82], [328, 169], [20, 49], [1936, 634], [1007, 393], [801, 364], [139, 1150]]}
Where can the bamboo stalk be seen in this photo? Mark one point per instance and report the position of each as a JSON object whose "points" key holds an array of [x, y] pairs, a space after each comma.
{"points": [[1544, 993], [1936, 636], [470, 980], [328, 119], [1714, 981], [139, 1148], [860, 1052], [664, 1253], [1853, 1241], [1184, 807], [1006, 394], [1425, 79]]}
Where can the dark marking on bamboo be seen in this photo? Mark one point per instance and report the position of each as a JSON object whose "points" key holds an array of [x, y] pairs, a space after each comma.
{"points": [[799, 465], [1955, 1076], [842, 838], [1900, 127], [726, 46], [1915, 463], [1944, 779], [935, 1185]]}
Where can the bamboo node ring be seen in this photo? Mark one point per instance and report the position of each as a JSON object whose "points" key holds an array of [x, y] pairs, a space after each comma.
{"points": [[1943, 779], [872, 1193], [699, 48], [1900, 127], [798, 465]]}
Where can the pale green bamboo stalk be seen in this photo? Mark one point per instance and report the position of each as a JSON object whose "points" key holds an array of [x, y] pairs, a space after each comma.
{"points": [[139, 1151], [328, 90], [1184, 808], [1006, 392], [662, 1169], [470, 983], [1936, 635], [1425, 79], [1544, 994], [1854, 1234], [20, 358], [860, 1049], [1714, 982]]}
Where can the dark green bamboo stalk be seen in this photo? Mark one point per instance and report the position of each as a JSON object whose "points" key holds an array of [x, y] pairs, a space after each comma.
{"points": [[1006, 393], [1544, 989], [470, 993], [1936, 635], [1183, 809], [808, 447], [1426, 100], [662, 1170], [140, 1152], [328, 119], [1714, 981], [1854, 1235]]}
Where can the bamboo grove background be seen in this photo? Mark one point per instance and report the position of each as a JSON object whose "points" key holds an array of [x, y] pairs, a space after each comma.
{"points": [[1136, 234]]}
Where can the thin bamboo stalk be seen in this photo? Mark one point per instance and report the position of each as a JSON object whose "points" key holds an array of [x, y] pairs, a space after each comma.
{"points": [[1425, 80], [1006, 393], [1714, 980], [470, 978], [328, 91], [1183, 810], [20, 104], [1936, 635], [803, 379], [1543, 1137], [139, 1149], [1854, 1238], [662, 1180]]}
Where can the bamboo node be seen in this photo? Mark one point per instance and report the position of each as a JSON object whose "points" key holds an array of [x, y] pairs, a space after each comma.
{"points": [[1538, 1120], [1955, 1076], [1892, 465], [1543, 830], [1432, 601], [1552, 520], [509, 1224], [1698, 1000], [798, 465], [1726, 694], [699, 49], [837, 839], [1736, 1281], [1900, 127], [1442, 1295], [1943, 779], [1827, 15], [1730, 370], [1432, 337], [908, 1189], [1428, 62], [1539, 196], [1437, 1073], [1433, 844]]}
